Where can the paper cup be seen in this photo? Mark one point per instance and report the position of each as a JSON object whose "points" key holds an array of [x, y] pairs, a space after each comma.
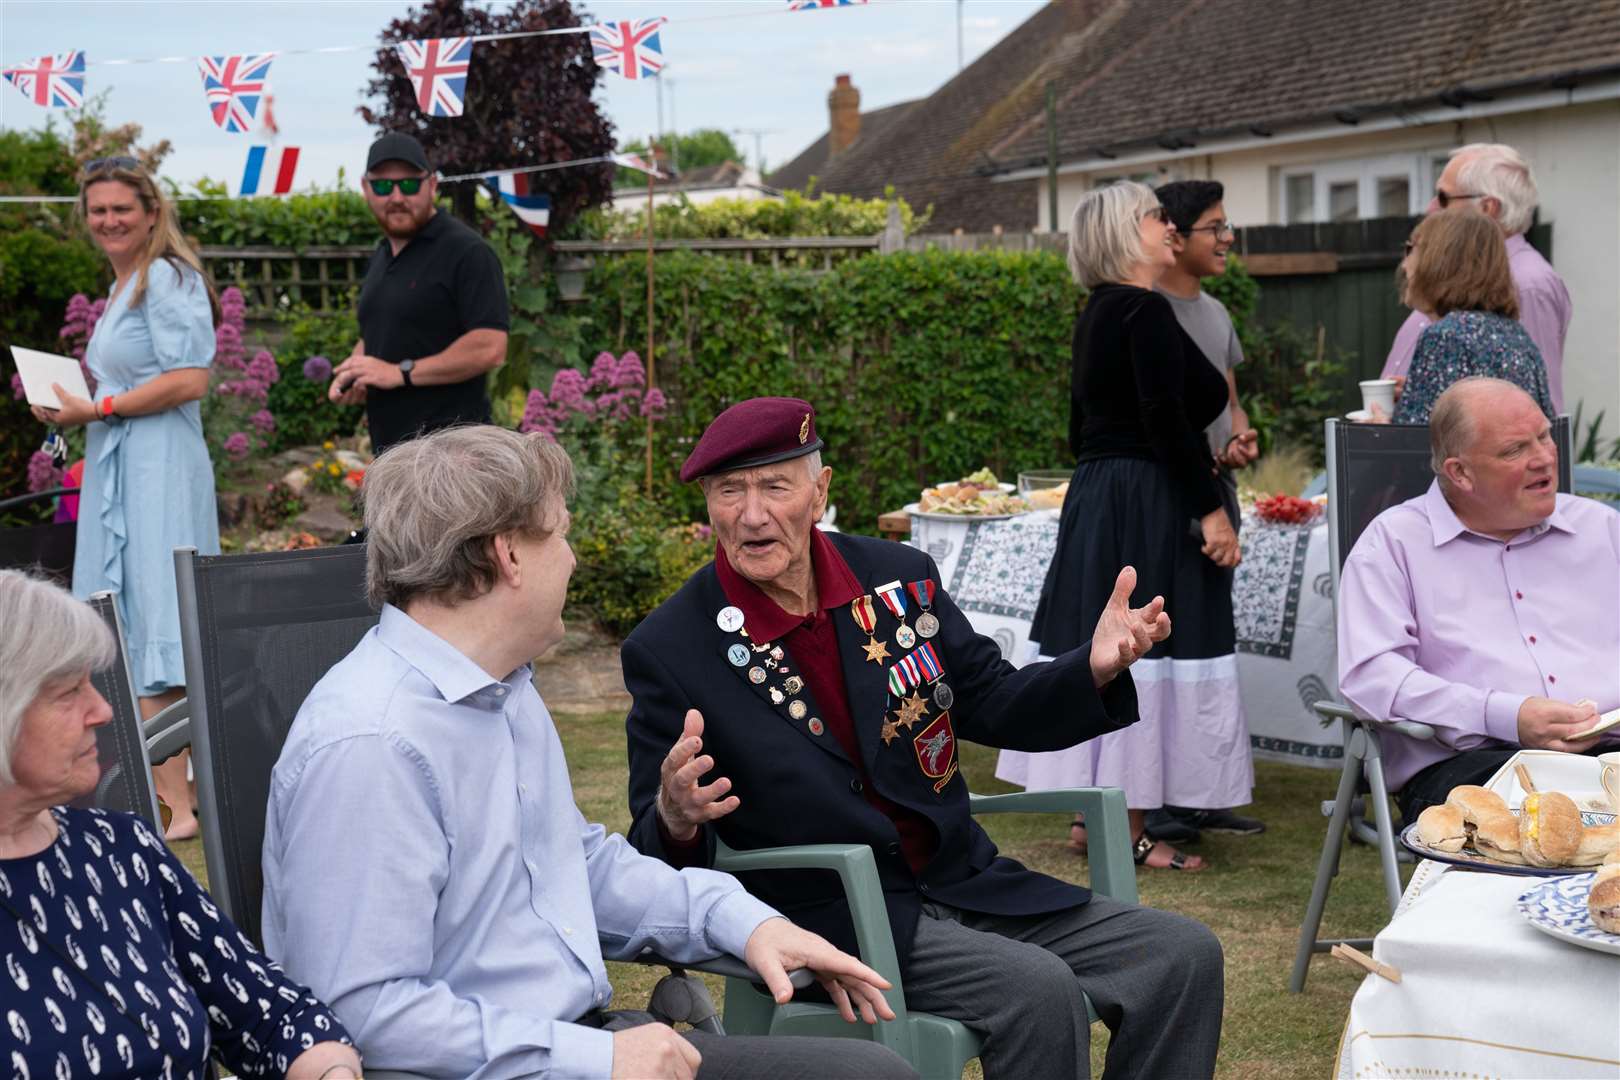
{"points": [[1379, 393]]}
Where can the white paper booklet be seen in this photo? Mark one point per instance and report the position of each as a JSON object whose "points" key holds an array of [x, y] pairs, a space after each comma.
{"points": [[40, 369]]}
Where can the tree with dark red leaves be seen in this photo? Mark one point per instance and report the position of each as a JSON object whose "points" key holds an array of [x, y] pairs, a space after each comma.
{"points": [[528, 102]]}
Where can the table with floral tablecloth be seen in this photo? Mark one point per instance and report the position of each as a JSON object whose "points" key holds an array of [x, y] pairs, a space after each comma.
{"points": [[1282, 599]]}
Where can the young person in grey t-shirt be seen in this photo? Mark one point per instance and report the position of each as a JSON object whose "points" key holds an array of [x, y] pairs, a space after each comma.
{"points": [[1202, 239]]}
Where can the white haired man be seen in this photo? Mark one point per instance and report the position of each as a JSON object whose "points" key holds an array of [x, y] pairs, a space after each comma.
{"points": [[1496, 180], [424, 861]]}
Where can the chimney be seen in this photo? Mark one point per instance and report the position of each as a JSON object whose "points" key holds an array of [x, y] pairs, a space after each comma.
{"points": [[843, 116]]}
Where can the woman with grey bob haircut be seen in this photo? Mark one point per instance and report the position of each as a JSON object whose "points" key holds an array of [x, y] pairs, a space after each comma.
{"points": [[75, 885], [433, 504], [1105, 241]]}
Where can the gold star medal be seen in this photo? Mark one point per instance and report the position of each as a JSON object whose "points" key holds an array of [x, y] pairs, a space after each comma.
{"points": [[912, 709], [865, 614], [890, 730]]}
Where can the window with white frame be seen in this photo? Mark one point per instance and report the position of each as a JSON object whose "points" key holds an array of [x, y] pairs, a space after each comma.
{"points": [[1394, 185]]}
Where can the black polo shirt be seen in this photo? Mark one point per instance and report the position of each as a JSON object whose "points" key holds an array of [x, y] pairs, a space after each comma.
{"points": [[443, 283]]}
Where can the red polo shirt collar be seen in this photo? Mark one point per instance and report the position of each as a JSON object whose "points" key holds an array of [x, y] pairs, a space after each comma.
{"points": [[836, 585]]}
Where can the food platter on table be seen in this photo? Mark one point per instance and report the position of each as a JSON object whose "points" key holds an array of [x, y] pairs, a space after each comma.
{"points": [[1558, 908], [1469, 858], [978, 495]]}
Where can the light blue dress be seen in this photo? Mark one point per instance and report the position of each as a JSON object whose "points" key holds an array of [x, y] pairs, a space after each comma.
{"points": [[148, 483]]}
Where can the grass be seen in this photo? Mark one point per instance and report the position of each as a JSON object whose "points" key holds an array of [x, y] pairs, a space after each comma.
{"points": [[1253, 897]]}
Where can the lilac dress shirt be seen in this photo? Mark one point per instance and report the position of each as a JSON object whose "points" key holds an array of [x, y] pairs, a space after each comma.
{"points": [[1450, 628], [1544, 309]]}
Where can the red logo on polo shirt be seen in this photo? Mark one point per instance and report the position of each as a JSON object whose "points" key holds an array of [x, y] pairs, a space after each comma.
{"points": [[935, 746]]}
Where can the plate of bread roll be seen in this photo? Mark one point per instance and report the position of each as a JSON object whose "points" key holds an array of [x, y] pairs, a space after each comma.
{"points": [[1582, 909], [1548, 835]]}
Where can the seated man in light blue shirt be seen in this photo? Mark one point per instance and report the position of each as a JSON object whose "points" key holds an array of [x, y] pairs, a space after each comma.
{"points": [[426, 870]]}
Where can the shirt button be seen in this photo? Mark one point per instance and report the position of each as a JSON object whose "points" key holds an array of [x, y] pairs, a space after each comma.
{"points": [[923, 887], [1518, 595], [1552, 678], [568, 931], [856, 786], [523, 789], [1532, 639], [500, 691]]}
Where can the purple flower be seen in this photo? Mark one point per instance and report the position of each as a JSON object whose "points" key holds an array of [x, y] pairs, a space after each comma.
{"points": [[17, 390], [537, 415], [42, 472], [654, 404], [263, 421], [317, 369], [262, 368], [238, 445], [631, 371], [604, 372]]}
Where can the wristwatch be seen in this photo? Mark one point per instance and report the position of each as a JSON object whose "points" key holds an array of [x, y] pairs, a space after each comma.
{"points": [[405, 367]]}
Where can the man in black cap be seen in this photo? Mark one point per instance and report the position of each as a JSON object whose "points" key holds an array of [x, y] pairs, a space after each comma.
{"points": [[433, 316], [809, 688]]}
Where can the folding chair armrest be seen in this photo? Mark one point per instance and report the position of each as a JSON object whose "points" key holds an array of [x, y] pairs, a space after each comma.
{"points": [[1108, 829], [167, 733], [729, 967], [1332, 710], [857, 870]]}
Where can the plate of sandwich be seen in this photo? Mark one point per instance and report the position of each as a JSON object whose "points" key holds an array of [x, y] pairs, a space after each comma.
{"points": [[1582, 909], [1547, 836]]}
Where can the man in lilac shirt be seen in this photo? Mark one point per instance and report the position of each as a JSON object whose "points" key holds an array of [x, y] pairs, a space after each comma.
{"points": [[1487, 607], [1496, 180]]}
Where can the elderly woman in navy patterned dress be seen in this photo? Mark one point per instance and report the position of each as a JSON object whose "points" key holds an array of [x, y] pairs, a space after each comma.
{"points": [[116, 962], [1456, 272]]}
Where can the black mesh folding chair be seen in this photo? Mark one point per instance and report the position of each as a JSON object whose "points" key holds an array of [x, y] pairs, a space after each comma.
{"points": [[1370, 468], [47, 547], [258, 632], [126, 776]]}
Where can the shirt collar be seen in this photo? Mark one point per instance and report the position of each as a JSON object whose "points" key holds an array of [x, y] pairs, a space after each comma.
{"points": [[441, 663], [836, 585], [430, 231], [1447, 526], [1516, 243]]}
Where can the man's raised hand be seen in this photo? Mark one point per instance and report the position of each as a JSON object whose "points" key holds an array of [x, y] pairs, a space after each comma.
{"points": [[1124, 633], [683, 804]]}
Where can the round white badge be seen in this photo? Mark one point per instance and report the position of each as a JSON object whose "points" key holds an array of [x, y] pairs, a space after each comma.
{"points": [[738, 654], [730, 619]]}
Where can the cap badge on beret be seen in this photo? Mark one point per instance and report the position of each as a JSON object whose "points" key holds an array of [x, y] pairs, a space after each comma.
{"points": [[804, 429]]}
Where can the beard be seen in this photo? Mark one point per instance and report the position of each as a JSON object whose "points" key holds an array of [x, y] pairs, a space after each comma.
{"points": [[404, 224]]}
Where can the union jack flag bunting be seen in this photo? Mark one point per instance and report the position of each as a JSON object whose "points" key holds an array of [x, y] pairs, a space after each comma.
{"points": [[56, 82], [438, 71], [810, 5], [235, 88], [630, 48], [640, 164], [531, 207]]}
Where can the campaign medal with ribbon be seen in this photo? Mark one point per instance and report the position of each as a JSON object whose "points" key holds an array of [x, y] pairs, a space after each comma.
{"points": [[894, 598], [923, 592], [865, 615]]}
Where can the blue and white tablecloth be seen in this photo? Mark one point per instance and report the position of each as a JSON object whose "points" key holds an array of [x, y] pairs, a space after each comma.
{"points": [[1282, 599]]}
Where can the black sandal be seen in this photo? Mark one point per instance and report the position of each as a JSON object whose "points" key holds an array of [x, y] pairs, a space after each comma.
{"points": [[1145, 844]]}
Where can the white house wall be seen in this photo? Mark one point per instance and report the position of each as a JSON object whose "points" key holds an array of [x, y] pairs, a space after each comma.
{"points": [[1575, 151]]}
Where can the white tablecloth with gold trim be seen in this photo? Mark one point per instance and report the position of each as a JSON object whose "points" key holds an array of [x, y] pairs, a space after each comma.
{"points": [[1482, 992]]}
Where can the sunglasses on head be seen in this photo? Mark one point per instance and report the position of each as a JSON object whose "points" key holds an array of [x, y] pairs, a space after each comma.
{"points": [[105, 163], [1157, 213], [408, 185], [1445, 199]]}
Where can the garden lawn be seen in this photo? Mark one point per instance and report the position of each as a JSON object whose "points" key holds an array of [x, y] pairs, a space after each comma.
{"points": [[1253, 897]]}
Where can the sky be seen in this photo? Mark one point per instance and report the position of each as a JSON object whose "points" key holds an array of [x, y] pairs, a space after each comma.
{"points": [[731, 64]]}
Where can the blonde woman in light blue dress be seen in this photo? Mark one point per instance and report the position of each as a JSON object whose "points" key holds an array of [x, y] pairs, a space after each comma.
{"points": [[148, 483]]}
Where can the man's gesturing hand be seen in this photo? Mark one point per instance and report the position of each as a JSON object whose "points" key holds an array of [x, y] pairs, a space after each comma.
{"points": [[653, 1052], [1124, 633], [777, 947], [682, 804], [1545, 724]]}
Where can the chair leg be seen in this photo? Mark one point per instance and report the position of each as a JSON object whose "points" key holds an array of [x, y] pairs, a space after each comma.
{"points": [[1328, 865], [1386, 831]]}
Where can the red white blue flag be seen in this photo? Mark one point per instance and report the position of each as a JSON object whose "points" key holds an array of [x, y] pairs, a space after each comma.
{"points": [[809, 5], [235, 87], [438, 71], [630, 48], [640, 164], [532, 208], [56, 82], [272, 168]]}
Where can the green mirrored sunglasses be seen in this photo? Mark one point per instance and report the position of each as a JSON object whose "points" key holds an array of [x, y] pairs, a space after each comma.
{"points": [[408, 185]]}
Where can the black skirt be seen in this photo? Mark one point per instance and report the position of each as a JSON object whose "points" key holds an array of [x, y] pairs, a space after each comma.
{"points": [[1124, 511]]}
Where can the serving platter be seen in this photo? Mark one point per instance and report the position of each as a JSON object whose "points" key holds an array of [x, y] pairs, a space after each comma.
{"points": [[1469, 858], [931, 515], [1557, 907]]}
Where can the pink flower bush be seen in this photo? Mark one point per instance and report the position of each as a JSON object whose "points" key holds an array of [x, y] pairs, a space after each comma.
{"points": [[263, 421], [238, 445], [42, 472], [613, 392]]}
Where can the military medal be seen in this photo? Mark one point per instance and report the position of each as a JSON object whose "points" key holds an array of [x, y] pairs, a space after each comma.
{"points": [[923, 592], [730, 619], [890, 730], [738, 655], [943, 697], [816, 726], [865, 616], [756, 675], [793, 685], [895, 600], [912, 709], [777, 697], [797, 709]]}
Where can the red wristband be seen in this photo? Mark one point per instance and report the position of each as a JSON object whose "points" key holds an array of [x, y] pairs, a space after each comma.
{"points": [[106, 406]]}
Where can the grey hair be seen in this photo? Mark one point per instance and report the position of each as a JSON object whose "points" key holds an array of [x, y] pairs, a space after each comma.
{"points": [[1501, 172], [1105, 237], [433, 506], [1452, 429], [46, 636]]}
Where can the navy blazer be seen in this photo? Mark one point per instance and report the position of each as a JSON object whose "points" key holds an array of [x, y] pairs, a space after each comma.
{"points": [[794, 780]]}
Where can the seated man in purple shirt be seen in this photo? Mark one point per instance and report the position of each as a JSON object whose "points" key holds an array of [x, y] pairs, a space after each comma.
{"points": [[1496, 180], [1487, 607]]}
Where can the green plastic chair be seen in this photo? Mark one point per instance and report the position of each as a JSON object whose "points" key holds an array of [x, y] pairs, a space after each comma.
{"points": [[937, 1047]]}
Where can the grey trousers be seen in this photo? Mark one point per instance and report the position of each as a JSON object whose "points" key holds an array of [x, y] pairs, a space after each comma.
{"points": [[782, 1057], [1156, 979]]}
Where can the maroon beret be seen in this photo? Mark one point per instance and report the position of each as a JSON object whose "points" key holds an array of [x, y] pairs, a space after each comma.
{"points": [[759, 431]]}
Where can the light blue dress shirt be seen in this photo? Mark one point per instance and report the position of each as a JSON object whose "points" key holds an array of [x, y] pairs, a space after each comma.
{"points": [[427, 874]]}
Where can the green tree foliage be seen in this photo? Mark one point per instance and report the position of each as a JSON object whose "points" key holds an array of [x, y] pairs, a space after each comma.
{"points": [[693, 150], [298, 222], [792, 215], [303, 412]]}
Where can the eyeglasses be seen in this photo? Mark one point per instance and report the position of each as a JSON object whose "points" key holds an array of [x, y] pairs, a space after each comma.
{"points": [[1217, 229], [408, 185], [1408, 248], [1445, 199], [1157, 213], [105, 163]]}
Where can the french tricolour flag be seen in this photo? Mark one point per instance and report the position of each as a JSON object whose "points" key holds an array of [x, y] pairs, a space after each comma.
{"points": [[271, 167], [533, 208]]}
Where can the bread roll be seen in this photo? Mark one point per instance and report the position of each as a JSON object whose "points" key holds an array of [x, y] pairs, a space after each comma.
{"points": [[1604, 904], [1607, 871], [1441, 828], [1597, 843], [1496, 836], [1475, 802], [1549, 829]]}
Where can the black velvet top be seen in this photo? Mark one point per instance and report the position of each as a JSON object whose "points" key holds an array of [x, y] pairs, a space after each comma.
{"points": [[1142, 389]]}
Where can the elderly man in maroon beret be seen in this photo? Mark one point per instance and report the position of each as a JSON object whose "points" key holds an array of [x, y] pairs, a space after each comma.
{"points": [[809, 688]]}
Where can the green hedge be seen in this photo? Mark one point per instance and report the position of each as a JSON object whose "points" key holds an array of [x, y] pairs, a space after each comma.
{"points": [[922, 366]]}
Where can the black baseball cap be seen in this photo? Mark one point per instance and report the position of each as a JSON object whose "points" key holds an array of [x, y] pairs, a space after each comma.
{"points": [[397, 146]]}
